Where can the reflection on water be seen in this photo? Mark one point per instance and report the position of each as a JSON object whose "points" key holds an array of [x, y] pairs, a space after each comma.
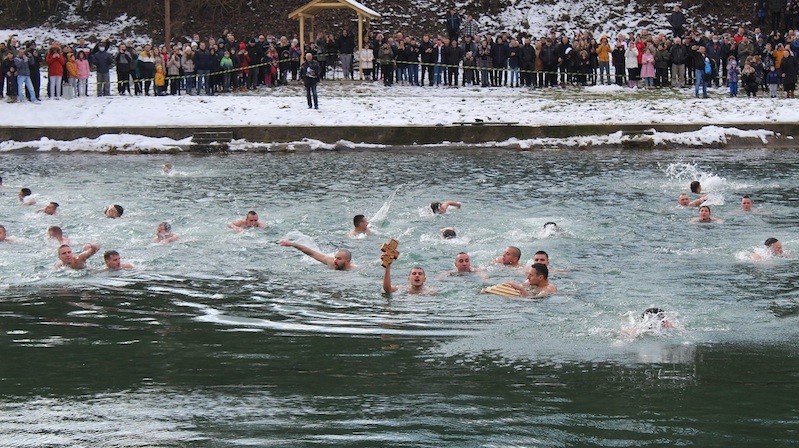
{"points": [[227, 338]]}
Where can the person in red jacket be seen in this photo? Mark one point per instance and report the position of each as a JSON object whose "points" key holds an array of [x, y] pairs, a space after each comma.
{"points": [[55, 70]]}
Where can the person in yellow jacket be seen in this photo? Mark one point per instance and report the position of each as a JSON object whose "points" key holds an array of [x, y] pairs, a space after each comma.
{"points": [[160, 80], [603, 55], [72, 73]]}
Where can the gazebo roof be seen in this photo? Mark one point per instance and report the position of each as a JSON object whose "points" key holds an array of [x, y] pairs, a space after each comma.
{"points": [[317, 6]]}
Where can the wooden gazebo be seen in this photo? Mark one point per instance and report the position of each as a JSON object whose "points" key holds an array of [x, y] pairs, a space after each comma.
{"points": [[310, 10]]}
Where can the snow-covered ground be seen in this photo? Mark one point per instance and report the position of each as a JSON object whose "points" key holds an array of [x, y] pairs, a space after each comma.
{"points": [[371, 104]]}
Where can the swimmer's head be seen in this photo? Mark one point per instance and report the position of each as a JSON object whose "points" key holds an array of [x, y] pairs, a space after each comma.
{"points": [[55, 232], [417, 277], [358, 219], [653, 312], [342, 259], [2, 233], [165, 226], [746, 203], [550, 226], [538, 270], [696, 187], [112, 259], [774, 246], [704, 213], [435, 206], [448, 233], [684, 200], [113, 211], [25, 192], [541, 257]]}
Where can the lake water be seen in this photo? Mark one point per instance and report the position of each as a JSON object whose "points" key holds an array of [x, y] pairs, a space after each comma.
{"points": [[227, 339]]}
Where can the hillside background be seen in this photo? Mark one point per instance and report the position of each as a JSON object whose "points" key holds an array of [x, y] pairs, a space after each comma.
{"points": [[141, 18]]}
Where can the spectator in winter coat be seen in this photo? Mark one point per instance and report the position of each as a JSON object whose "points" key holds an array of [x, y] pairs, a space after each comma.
{"points": [[679, 56], [103, 61], [677, 22], [124, 63], [55, 70], [346, 46], [453, 22], [790, 69], [732, 75]]}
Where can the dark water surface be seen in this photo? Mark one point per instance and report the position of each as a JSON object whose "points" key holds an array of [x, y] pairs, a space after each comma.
{"points": [[227, 339]]}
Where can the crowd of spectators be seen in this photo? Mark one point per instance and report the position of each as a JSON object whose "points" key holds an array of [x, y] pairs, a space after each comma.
{"points": [[462, 54]]}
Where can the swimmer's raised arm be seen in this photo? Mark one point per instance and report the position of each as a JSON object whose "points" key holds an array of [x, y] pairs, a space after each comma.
{"points": [[318, 256], [698, 202], [387, 287], [88, 250], [446, 204]]}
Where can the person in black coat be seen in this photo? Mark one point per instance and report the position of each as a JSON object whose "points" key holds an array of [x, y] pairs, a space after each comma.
{"points": [[346, 46], [453, 55], [527, 62], [310, 71], [790, 69], [677, 22], [499, 58]]}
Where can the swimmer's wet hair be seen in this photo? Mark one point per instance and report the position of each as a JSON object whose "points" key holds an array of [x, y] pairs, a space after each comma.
{"points": [[3, 228], [26, 192], [251, 212], [550, 223], [167, 226], [541, 269], [771, 241], [435, 206], [119, 209], [655, 312], [541, 252], [109, 253], [419, 268], [448, 233], [695, 186], [357, 220]]}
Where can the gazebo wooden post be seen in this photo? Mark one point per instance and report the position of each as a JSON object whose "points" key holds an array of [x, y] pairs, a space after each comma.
{"points": [[312, 36], [302, 37]]}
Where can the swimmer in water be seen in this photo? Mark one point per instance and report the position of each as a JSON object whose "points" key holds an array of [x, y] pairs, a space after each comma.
{"points": [[164, 235], [651, 319], [416, 280], [251, 221], [463, 265], [167, 169], [360, 227], [25, 197], [49, 209], [113, 211], [746, 204], [439, 208], [510, 257], [537, 283], [113, 261], [773, 247], [2, 233], [448, 233], [57, 234], [340, 261], [684, 201], [66, 259], [704, 216]]}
